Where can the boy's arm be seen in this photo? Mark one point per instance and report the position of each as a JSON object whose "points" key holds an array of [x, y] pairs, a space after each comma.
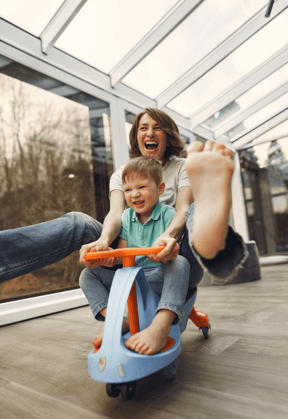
{"points": [[122, 244], [110, 231], [173, 233]]}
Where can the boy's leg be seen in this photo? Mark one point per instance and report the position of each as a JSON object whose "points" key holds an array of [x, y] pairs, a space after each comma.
{"points": [[96, 284], [171, 282], [27, 249], [216, 246]]}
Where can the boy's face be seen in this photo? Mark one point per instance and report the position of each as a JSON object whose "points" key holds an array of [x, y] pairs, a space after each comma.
{"points": [[142, 194]]}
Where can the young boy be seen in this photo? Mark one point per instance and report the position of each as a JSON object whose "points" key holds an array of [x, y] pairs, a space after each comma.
{"points": [[142, 224]]}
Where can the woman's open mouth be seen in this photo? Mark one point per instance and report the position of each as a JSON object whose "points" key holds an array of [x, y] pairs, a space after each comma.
{"points": [[151, 145]]}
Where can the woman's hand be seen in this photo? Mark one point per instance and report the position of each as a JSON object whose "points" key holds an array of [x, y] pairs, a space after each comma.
{"points": [[170, 252], [97, 246]]}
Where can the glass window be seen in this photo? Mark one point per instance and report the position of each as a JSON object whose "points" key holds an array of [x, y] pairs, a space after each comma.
{"points": [[103, 32], [209, 25], [246, 58], [55, 157], [31, 15], [264, 170]]}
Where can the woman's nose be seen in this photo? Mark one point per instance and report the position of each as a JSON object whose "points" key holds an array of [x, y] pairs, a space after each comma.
{"points": [[150, 132]]}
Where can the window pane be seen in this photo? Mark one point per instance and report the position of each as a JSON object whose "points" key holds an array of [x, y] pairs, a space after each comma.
{"points": [[264, 169], [30, 15], [246, 58], [209, 25], [103, 32], [55, 157]]}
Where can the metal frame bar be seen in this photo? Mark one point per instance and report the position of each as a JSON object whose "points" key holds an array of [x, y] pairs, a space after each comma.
{"points": [[217, 55], [150, 41], [59, 23], [238, 202], [237, 89], [261, 129], [263, 142], [251, 110], [28, 308]]}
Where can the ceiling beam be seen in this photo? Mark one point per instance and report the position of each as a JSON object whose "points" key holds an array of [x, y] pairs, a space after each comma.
{"points": [[20, 46], [240, 87], [150, 41], [218, 54], [251, 110], [59, 23], [261, 129]]}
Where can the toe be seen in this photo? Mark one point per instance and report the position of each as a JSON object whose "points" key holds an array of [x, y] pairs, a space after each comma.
{"points": [[196, 146], [209, 145]]}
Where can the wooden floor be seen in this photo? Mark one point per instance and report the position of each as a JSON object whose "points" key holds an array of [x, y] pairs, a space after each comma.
{"points": [[240, 371]]}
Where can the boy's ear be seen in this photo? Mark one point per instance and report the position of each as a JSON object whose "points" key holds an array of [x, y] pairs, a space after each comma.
{"points": [[161, 188]]}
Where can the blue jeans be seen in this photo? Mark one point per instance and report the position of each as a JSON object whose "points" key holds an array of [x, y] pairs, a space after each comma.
{"points": [[26, 249], [169, 281]]}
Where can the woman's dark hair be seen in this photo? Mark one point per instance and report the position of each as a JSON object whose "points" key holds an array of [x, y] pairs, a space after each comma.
{"points": [[174, 143]]}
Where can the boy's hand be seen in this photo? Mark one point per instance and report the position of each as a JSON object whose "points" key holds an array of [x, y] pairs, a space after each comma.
{"points": [[170, 252], [97, 246]]}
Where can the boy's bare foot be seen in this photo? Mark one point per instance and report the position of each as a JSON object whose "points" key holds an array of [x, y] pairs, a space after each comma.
{"points": [[210, 169], [97, 341], [152, 339]]}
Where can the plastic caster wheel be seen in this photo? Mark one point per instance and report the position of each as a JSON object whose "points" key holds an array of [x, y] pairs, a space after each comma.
{"points": [[205, 330], [169, 372], [128, 390], [112, 390]]}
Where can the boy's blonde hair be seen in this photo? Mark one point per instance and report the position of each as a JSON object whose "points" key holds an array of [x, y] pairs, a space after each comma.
{"points": [[145, 167]]}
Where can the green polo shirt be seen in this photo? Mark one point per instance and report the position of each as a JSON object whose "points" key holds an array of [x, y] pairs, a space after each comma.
{"points": [[145, 235]]}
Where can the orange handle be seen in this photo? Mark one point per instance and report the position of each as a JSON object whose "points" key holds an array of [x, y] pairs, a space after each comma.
{"points": [[122, 253]]}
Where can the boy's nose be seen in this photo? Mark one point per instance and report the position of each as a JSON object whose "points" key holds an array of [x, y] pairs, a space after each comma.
{"points": [[135, 193]]}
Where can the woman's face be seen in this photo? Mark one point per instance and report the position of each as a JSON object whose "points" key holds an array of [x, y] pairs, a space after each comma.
{"points": [[152, 140]]}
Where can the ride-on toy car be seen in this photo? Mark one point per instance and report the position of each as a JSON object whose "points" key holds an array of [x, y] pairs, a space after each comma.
{"points": [[112, 362]]}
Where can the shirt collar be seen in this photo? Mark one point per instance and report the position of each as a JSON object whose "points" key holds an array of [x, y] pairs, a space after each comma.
{"points": [[154, 216]]}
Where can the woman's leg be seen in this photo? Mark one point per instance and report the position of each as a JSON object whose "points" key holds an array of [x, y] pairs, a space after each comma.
{"points": [[26, 249], [215, 246]]}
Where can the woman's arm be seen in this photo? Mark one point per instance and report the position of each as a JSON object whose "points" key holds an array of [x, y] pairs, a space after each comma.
{"points": [[176, 228], [110, 231]]}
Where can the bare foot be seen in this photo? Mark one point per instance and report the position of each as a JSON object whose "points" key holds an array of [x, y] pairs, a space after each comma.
{"points": [[97, 341], [152, 339], [210, 170]]}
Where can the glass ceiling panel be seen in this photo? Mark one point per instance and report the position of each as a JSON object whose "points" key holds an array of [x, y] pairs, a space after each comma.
{"points": [[103, 32], [245, 101], [209, 25], [30, 15], [246, 58], [259, 117]]}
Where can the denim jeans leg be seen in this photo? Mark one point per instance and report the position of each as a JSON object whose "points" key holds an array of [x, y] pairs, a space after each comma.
{"points": [[170, 282], [96, 284], [224, 267], [26, 249]]}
